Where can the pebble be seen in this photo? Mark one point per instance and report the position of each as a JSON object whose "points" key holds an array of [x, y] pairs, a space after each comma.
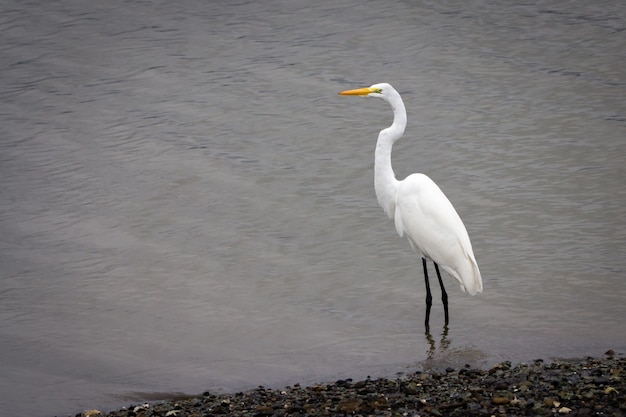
{"points": [[574, 388]]}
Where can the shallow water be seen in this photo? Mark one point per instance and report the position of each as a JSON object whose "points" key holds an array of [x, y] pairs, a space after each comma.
{"points": [[187, 205]]}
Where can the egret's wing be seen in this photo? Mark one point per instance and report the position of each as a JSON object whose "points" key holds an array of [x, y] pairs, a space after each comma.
{"points": [[435, 230]]}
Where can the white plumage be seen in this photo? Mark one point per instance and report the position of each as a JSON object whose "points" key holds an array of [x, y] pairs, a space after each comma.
{"points": [[419, 208]]}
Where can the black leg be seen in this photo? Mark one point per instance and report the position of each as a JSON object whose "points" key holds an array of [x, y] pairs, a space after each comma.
{"points": [[444, 294], [429, 296]]}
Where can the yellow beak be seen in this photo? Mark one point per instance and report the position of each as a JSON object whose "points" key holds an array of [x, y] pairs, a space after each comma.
{"points": [[358, 92]]}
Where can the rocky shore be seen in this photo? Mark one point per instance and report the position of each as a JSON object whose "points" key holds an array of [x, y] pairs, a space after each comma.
{"points": [[582, 387]]}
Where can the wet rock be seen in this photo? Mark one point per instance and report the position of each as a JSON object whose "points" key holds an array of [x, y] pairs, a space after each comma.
{"points": [[359, 384], [349, 405], [411, 388]]}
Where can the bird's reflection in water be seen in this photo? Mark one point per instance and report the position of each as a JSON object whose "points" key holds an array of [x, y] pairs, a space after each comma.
{"points": [[441, 353], [444, 343]]}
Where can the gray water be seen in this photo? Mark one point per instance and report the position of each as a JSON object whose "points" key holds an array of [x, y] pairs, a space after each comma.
{"points": [[186, 204]]}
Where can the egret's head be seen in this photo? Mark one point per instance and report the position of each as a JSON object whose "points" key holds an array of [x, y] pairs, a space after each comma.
{"points": [[381, 90]]}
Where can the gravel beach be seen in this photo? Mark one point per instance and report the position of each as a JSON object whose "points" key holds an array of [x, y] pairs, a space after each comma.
{"points": [[573, 387]]}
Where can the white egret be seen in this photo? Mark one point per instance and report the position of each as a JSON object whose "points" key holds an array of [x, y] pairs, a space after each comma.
{"points": [[419, 208]]}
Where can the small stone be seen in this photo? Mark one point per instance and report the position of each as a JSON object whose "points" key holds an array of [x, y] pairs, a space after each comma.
{"points": [[564, 410], [522, 403], [410, 389], [589, 394], [549, 402], [501, 386], [141, 407], [264, 410], [501, 400], [601, 380], [349, 405], [435, 412], [342, 383], [359, 384]]}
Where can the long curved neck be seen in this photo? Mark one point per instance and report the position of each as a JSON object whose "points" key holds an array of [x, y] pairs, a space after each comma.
{"points": [[385, 182]]}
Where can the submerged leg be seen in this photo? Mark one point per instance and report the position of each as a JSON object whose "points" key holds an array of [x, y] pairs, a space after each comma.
{"points": [[444, 294], [429, 296]]}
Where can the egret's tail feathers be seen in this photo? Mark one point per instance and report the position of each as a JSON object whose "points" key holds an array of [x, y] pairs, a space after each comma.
{"points": [[468, 276], [476, 282]]}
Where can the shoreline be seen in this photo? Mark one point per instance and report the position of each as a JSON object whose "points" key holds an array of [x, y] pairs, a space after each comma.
{"points": [[567, 387]]}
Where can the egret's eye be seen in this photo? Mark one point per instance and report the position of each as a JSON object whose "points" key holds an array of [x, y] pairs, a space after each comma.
{"points": [[377, 90]]}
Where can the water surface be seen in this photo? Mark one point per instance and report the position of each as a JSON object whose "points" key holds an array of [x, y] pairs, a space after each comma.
{"points": [[187, 205]]}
